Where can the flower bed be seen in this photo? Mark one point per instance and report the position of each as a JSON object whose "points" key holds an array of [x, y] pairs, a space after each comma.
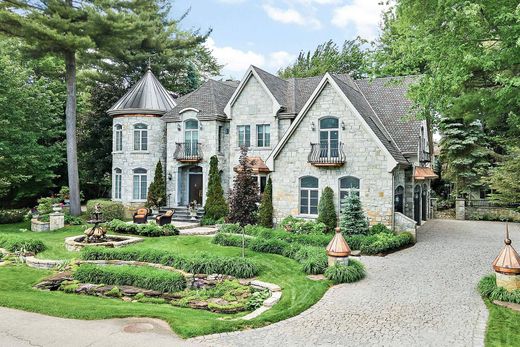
{"points": [[149, 229]]}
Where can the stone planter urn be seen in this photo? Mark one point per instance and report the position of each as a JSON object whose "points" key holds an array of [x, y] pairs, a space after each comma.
{"points": [[507, 266]]}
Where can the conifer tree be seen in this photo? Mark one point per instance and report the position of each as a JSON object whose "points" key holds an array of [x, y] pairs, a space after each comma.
{"points": [[353, 219], [326, 210], [216, 205], [265, 214], [244, 196], [157, 189]]}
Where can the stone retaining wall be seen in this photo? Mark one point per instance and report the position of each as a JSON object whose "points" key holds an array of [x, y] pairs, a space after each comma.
{"points": [[403, 224]]}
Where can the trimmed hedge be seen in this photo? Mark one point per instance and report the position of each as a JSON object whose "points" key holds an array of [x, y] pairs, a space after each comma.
{"points": [[302, 226], [149, 229], [110, 209], [488, 289], [384, 242], [352, 272], [137, 276], [12, 215], [198, 263], [19, 244]]}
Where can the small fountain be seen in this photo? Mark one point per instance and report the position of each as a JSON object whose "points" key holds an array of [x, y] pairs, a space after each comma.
{"points": [[97, 233]]}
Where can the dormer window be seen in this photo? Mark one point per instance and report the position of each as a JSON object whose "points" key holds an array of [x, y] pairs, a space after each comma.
{"points": [[140, 137]]}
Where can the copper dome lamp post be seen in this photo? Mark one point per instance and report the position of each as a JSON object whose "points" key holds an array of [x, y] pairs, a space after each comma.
{"points": [[338, 249], [507, 266]]}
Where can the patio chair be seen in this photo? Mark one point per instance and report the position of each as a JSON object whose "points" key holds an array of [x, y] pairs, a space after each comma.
{"points": [[165, 218], [141, 216]]}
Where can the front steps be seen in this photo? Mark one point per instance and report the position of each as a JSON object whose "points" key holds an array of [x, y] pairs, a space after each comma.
{"points": [[182, 213]]}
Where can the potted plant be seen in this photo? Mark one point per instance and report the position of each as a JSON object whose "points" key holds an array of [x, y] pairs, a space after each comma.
{"points": [[193, 210]]}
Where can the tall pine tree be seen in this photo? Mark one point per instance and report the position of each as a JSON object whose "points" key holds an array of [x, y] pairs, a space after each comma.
{"points": [[216, 206], [353, 219], [244, 196]]}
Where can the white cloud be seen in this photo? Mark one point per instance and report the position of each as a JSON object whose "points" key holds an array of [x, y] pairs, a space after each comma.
{"points": [[236, 61], [291, 16], [365, 15]]}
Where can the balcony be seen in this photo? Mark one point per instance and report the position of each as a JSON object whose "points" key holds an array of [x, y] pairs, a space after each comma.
{"points": [[188, 152], [424, 157], [324, 155]]}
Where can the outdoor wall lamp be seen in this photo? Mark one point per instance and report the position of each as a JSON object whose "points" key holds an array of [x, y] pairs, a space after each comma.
{"points": [[169, 176], [200, 126], [179, 126], [313, 126], [343, 125]]}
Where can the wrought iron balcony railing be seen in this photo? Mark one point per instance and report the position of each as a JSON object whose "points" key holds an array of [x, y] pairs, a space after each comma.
{"points": [[190, 152], [424, 157], [327, 154]]}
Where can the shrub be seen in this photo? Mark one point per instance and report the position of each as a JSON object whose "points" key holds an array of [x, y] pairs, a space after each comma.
{"points": [[380, 228], [149, 229], [326, 210], [23, 245], [216, 206], [110, 209], [45, 205], [256, 300], [230, 240], [73, 220], [386, 242], [315, 264], [137, 276], [12, 215], [157, 190], [265, 214], [256, 230], [352, 272], [352, 219], [302, 226], [244, 195], [230, 228], [488, 289], [268, 245], [115, 292], [198, 263], [170, 229]]}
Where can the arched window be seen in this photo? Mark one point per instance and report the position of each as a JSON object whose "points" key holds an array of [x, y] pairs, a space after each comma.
{"points": [[118, 137], [191, 137], [140, 137], [399, 199], [309, 195], [140, 186], [348, 185], [329, 137], [117, 183]]}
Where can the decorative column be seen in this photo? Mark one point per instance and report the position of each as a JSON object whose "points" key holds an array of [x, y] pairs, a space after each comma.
{"points": [[460, 209], [338, 249], [507, 266], [57, 218]]}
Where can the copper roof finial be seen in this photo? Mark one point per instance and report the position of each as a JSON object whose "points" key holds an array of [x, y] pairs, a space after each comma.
{"points": [[508, 261], [338, 247]]}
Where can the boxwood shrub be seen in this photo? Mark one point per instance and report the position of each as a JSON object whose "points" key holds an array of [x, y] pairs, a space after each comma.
{"points": [[149, 229], [340, 273], [12, 215], [20, 244], [110, 209], [137, 276], [197, 263]]}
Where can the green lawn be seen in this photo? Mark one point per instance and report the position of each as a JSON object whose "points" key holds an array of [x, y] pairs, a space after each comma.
{"points": [[299, 293], [503, 326]]}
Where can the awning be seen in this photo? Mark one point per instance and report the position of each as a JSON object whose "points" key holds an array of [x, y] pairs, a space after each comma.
{"points": [[257, 165], [424, 173]]}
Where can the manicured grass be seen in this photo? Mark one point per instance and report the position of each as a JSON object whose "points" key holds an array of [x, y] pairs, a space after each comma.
{"points": [[503, 326], [299, 293]]}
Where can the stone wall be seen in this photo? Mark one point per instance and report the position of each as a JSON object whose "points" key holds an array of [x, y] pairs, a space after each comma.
{"points": [[365, 160], [403, 224], [127, 160], [492, 213]]}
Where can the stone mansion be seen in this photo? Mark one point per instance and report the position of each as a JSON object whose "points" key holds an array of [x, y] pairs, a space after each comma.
{"points": [[355, 136]]}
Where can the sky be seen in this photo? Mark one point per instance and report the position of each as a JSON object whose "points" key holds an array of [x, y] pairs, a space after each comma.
{"points": [[271, 33]]}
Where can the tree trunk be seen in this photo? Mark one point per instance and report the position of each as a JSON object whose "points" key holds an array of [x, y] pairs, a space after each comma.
{"points": [[70, 124]]}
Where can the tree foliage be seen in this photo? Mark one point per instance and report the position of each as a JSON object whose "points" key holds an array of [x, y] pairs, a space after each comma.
{"points": [[31, 126], [504, 180], [352, 218], [265, 214], [216, 206], [351, 59], [157, 189], [326, 210], [244, 195]]}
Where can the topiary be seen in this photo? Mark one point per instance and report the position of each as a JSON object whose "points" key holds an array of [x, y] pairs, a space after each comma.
{"points": [[326, 210], [265, 214], [216, 206], [157, 189], [353, 219]]}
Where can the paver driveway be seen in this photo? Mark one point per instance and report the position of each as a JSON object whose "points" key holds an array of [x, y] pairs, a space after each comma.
{"points": [[421, 296]]}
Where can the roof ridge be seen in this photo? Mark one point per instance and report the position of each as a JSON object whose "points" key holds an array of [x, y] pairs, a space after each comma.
{"points": [[257, 68]]}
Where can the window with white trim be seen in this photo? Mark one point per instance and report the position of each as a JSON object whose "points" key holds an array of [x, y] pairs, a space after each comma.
{"points": [[140, 137], [263, 135], [309, 195], [348, 185], [244, 135], [118, 137], [117, 183], [140, 186]]}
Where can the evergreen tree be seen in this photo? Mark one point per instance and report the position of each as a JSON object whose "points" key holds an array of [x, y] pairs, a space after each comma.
{"points": [[157, 189], [353, 219], [326, 210], [244, 196], [265, 214], [216, 206], [503, 179]]}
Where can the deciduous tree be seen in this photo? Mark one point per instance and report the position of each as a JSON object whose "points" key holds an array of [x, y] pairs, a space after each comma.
{"points": [[244, 195]]}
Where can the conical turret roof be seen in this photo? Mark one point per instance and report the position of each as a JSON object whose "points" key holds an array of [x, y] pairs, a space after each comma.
{"points": [[338, 247], [508, 261], [147, 96]]}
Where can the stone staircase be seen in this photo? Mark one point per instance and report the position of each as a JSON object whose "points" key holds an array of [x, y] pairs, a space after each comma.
{"points": [[182, 213]]}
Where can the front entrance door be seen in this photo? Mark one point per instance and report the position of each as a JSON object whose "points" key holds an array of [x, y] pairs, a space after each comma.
{"points": [[417, 204], [195, 188]]}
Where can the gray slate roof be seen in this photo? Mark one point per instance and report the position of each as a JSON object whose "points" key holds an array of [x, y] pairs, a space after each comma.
{"points": [[146, 96], [210, 99]]}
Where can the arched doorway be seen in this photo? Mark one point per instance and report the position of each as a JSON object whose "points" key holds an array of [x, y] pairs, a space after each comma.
{"points": [[417, 204], [399, 199], [424, 201]]}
